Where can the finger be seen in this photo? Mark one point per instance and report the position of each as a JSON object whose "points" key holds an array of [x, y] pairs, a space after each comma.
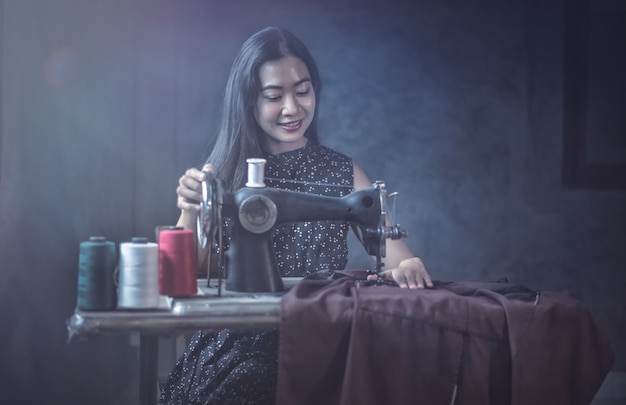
{"points": [[400, 278], [187, 205], [415, 282], [188, 194], [428, 280], [384, 275], [193, 174], [423, 277], [208, 168], [192, 179]]}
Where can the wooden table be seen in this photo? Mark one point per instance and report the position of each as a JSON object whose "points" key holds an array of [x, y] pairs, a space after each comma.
{"points": [[205, 311]]}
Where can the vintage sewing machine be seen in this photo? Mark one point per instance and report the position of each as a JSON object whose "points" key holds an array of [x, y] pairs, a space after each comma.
{"points": [[256, 210]]}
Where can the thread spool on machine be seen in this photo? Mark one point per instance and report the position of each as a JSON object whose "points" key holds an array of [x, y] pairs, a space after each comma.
{"points": [[256, 210]]}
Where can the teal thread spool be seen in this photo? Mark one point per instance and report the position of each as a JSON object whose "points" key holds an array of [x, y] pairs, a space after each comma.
{"points": [[96, 268]]}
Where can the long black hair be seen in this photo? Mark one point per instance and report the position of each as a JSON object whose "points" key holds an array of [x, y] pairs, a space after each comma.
{"points": [[239, 135]]}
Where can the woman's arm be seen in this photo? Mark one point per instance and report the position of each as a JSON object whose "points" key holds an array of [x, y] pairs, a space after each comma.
{"points": [[400, 263]]}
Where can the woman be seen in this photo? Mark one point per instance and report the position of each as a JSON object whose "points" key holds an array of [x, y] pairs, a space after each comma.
{"points": [[270, 110]]}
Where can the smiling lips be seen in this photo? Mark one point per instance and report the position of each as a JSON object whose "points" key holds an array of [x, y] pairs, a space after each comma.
{"points": [[291, 126]]}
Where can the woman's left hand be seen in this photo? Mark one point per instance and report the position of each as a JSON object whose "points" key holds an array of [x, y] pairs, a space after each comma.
{"points": [[411, 273]]}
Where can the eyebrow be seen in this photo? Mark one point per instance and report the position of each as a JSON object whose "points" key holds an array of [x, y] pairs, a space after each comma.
{"points": [[275, 87]]}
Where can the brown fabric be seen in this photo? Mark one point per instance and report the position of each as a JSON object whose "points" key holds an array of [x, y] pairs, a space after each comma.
{"points": [[462, 343]]}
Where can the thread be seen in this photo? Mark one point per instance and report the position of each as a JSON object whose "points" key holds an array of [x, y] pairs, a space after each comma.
{"points": [[256, 172], [177, 263], [139, 274], [96, 268]]}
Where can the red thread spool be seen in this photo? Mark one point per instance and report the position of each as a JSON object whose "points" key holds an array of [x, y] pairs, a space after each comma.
{"points": [[177, 263]]}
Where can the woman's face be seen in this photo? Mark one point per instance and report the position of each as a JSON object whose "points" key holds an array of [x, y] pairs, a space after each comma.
{"points": [[285, 105]]}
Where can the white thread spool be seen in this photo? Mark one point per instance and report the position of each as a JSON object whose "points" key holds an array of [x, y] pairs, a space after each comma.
{"points": [[256, 172], [139, 274]]}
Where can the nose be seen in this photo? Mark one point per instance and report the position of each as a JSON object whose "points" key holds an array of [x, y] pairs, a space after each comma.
{"points": [[290, 105]]}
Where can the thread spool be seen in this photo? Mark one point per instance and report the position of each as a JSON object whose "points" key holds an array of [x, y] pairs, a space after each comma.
{"points": [[96, 268], [256, 172], [159, 228], [177, 263], [139, 274]]}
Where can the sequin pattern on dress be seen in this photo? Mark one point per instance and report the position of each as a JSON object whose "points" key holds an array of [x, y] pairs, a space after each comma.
{"points": [[306, 247]]}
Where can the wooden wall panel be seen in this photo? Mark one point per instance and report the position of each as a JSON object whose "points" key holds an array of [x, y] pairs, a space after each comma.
{"points": [[68, 110]]}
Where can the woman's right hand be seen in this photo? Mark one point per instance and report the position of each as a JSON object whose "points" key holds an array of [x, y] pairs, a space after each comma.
{"points": [[189, 193], [189, 189]]}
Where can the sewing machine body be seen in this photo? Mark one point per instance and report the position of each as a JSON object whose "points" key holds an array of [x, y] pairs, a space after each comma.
{"points": [[256, 210]]}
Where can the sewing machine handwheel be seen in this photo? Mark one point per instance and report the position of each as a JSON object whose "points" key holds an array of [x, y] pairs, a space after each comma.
{"points": [[382, 222], [209, 218]]}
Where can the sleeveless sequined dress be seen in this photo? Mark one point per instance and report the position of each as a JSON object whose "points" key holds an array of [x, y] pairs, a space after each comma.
{"points": [[236, 367]]}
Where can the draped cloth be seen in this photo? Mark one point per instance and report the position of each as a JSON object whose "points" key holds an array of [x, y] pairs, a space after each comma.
{"points": [[345, 342]]}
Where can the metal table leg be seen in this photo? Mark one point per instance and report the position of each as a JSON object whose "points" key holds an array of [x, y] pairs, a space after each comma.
{"points": [[148, 361]]}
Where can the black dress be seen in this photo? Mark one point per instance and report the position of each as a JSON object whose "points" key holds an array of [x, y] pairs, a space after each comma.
{"points": [[239, 367]]}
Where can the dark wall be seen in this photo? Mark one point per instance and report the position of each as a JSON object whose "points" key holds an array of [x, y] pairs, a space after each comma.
{"points": [[457, 105]]}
